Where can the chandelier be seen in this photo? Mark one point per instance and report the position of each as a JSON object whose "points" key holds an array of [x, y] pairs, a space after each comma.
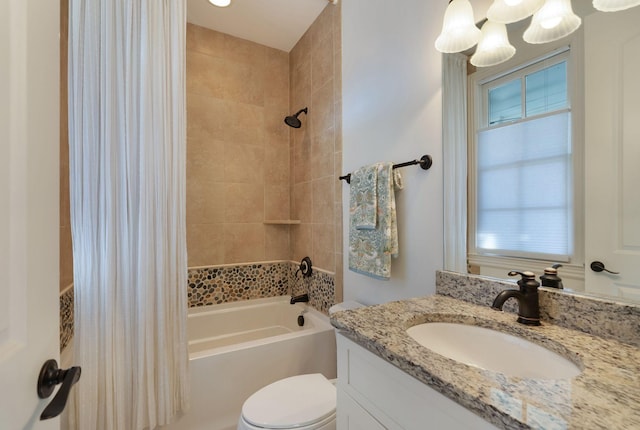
{"points": [[552, 20]]}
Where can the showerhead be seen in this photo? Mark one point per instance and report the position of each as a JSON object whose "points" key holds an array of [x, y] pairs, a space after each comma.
{"points": [[293, 121]]}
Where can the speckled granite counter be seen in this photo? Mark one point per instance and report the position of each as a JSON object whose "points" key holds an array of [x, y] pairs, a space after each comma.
{"points": [[606, 395]]}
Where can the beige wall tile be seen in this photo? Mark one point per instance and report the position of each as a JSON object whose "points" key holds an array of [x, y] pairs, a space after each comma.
{"points": [[338, 124], [277, 242], [323, 200], [205, 41], [315, 68], [244, 243], [244, 203], [242, 123], [205, 161], [205, 244], [201, 70], [323, 238], [322, 109], [322, 27], [244, 51], [302, 202], [243, 82], [65, 205], [337, 163], [338, 283], [239, 94], [301, 242], [322, 67], [205, 202], [66, 257], [301, 157], [276, 202], [244, 163], [301, 53], [276, 72], [322, 155], [337, 29], [338, 224], [277, 132], [204, 117], [276, 165]]}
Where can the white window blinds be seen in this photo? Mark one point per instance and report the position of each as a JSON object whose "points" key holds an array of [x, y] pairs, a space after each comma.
{"points": [[523, 180], [523, 188]]}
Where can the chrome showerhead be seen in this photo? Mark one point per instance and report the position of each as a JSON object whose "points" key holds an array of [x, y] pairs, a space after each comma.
{"points": [[293, 121]]}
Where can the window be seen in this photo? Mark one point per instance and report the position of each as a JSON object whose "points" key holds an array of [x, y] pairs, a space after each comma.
{"points": [[521, 182]]}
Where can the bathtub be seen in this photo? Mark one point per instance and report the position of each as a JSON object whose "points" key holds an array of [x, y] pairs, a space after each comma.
{"points": [[237, 348]]}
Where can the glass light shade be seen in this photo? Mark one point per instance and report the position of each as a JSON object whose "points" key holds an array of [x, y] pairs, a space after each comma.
{"points": [[220, 3], [459, 31], [494, 47], [508, 11], [614, 5], [553, 21]]}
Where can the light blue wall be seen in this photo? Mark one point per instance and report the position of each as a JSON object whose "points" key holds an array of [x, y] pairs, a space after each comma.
{"points": [[392, 112]]}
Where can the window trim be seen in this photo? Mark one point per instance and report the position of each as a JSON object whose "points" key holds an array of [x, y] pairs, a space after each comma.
{"points": [[477, 98]]}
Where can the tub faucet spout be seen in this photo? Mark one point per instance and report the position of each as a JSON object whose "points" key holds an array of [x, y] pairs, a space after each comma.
{"points": [[301, 298]]}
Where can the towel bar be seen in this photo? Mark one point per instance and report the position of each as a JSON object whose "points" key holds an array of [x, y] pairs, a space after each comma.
{"points": [[425, 163]]}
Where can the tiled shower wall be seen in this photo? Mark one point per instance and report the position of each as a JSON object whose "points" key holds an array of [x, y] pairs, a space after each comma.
{"points": [[237, 149], [316, 148]]}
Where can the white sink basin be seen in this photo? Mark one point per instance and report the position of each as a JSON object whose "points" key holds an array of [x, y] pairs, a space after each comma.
{"points": [[493, 350]]}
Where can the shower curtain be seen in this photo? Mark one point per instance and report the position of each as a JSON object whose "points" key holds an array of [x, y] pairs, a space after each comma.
{"points": [[127, 173]]}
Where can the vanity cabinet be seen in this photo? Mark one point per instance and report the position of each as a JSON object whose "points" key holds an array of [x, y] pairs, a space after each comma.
{"points": [[373, 394]]}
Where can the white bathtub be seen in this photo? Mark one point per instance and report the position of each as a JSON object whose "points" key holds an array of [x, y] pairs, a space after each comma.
{"points": [[237, 348]]}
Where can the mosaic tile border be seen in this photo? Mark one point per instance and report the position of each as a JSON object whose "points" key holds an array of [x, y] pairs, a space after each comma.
{"points": [[66, 317], [231, 283], [320, 286], [576, 311], [223, 284]]}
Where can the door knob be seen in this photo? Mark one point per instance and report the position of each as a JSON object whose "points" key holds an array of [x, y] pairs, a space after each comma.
{"points": [[49, 377], [598, 266]]}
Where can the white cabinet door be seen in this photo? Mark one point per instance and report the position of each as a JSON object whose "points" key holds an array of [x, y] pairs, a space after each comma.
{"points": [[612, 151], [29, 190], [352, 416]]}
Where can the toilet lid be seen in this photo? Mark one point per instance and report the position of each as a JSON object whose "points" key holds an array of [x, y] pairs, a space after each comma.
{"points": [[291, 402]]}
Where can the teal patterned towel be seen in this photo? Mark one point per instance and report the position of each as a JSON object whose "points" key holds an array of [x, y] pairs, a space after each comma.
{"points": [[363, 205], [370, 250]]}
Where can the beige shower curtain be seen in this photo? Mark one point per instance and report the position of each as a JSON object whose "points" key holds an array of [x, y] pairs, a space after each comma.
{"points": [[127, 173]]}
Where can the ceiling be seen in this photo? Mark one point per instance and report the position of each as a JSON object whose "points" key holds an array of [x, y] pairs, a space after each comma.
{"points": [[275, 23]]}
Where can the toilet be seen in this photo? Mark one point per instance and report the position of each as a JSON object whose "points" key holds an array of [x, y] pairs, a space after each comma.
{"points": [[304, 402], [301, 402]]}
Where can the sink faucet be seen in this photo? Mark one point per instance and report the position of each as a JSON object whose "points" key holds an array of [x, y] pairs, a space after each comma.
{"points": [[301, 298], [527, 296]]}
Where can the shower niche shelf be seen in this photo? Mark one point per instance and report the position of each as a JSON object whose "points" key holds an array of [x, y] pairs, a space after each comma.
{"points": [[282, 221]]}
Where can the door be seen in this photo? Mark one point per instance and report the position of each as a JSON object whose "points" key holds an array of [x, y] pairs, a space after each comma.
{"points": [[612, 151], [29, 189]]}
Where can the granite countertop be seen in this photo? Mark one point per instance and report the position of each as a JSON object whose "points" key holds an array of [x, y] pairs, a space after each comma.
{"points": [[606, 395]]}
